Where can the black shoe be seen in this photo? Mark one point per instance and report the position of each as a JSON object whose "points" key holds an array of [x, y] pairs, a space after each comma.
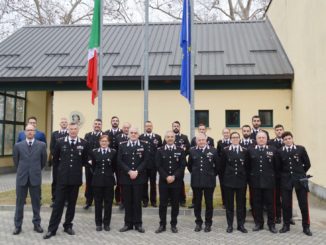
{"points": [[160, 229], [292, 222], [87, 206], [242, 229], [107, 228], [121, 206], [154, 205], [307, 231], [229, 229], [278, 220], [207, 228], [258, 227], [125, 228], [69, 231], [272, 229], [198, 228], [140, 229], [17, 230], [174, 229], [182, 204], [98, 228], [38, 229], [284, 229], [191, 205], [48, 235], [145, 204]]}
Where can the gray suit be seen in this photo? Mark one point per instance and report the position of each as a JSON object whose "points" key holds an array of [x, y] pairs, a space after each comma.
{"points": [[29, 161]]}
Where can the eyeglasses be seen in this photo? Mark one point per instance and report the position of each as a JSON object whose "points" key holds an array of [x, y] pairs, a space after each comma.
{"points": [[29, 130]]}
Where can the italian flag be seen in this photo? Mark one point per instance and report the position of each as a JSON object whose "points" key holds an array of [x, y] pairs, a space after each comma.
{"points": [[93, 48]]}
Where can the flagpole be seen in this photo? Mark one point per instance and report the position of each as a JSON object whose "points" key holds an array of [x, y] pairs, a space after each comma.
{"points": [[146, 62], [100, 63], [192, 75]]}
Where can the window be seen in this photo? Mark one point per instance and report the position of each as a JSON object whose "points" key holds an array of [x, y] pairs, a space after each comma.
{"points": [[266, 117], [12, 119], [232, 118], [202, 117]]}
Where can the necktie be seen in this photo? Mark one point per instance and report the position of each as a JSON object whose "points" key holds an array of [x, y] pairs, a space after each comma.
{"points": [[30, 145], [72, 142]]}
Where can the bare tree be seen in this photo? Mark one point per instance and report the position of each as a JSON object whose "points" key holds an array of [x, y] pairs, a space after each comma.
{"points": [[212, 10]]}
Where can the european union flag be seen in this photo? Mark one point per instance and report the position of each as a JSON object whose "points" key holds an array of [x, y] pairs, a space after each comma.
{"points": [[185, 44]]}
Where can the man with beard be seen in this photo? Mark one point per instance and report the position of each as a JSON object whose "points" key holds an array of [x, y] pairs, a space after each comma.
{"points": [[114, 132], [154, 141], [256, 123], [93, 142], [246, 141]]}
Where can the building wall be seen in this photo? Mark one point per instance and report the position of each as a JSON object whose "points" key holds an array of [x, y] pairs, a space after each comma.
{"points": [[36, 105], [299, 25], [167, 106]]}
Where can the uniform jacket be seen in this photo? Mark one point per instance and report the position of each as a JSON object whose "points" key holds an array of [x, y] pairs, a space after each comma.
{"points": [[262, 167], [210, 142], [171, 162], [234, 166], [276, 143], [70, 160], [55, 136], [247, 143], [203, 166], [154, 141], [221, 144], [29, 162], [113, 137], [132, 158], [104, 167], [293, 165]]}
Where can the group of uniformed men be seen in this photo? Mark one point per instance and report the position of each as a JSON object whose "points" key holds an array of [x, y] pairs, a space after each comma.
{"points": [[127, 160]]}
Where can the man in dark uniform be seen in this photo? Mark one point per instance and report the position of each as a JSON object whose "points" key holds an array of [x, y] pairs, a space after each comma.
{"points": [[247, 142], [181, 141], [277, 142], [221, 144], [114, 132], [171, 163], [70, 155], [132, 160], [92, 139], [263, 164], [202, 164], [154, 141], [122, 137], [234, 166], [203, 130], [256, 123], [210, 142], [62, 132], [294, 164]]}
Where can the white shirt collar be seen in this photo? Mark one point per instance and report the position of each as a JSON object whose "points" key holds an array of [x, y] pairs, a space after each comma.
{"points": [[166, 147], [27, 140]]}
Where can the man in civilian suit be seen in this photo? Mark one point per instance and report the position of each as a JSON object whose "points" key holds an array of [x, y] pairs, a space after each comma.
{"points": [[29, 158]]}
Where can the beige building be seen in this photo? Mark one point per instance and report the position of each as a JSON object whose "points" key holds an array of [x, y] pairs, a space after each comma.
{"points": [[241, 70], [300, 27]]}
